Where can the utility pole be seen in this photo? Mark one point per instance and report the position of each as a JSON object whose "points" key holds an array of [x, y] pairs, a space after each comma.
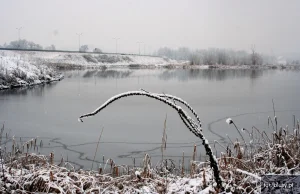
{"points": [[19, 35], [144, 48], [139, 47], [116, 39], [79, 34], [19, 32]]}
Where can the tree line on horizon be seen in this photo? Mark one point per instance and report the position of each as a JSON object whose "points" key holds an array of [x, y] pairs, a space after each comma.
{"points": [[217, 56], [211, 56], [25, 44]]}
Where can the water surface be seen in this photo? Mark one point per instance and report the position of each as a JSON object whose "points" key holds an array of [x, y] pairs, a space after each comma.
{"points": [[133, 126]]}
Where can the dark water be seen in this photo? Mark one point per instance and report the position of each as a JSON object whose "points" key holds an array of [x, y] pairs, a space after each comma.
{"points": [[133, 126]]}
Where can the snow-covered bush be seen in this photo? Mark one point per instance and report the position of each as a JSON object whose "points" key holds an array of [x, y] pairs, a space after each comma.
{"points": [[84, 48], [97, 50], [90, 58], [16, 72], [23, 44], [50, 48]]}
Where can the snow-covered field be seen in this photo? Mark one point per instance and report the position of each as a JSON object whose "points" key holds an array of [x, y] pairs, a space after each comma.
{"points": [[16, 71]]}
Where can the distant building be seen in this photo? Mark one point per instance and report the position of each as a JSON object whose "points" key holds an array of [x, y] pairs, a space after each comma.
{"points": [[281, 60]]}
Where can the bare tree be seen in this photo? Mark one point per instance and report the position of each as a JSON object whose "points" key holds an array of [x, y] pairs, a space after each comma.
{"points": [[222, 57], [23, 44], [256, 59], [84, 48], [51, 48]]}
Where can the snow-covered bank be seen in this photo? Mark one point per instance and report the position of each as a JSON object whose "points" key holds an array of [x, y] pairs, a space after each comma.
{"points": [[35, 173], [76, 60], [15, 71], [61, 60]]}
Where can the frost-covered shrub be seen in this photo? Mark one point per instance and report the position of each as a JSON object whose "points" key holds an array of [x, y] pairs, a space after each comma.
{"points": [[84, 48], [127, 59], [97, 50], [2, 74], [107, 59], [51, 48], [44, 78], [30, 80], [2, 77], [11, 80], [19, 73], [23, 44], [90, 58]]}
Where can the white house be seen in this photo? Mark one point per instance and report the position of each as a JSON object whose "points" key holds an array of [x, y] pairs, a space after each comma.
{"points": [[281, 60]]}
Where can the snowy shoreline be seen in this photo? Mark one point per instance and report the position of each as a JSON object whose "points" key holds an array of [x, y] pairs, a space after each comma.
{"points": [[61, 60], [28, 68], [21, 83], [86, 60], [16, 72]]}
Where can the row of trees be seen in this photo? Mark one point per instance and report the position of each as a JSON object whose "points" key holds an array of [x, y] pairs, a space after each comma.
{"points": [[211, 56], [25, 44], [85, 48], [215, 56]]}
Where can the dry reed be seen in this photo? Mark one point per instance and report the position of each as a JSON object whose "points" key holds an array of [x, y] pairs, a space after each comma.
{"points": [[97, 148]]}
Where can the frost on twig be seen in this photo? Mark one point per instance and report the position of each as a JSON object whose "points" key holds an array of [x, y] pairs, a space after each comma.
{"points": [[175, 98], [249, 174], [187, 120]]}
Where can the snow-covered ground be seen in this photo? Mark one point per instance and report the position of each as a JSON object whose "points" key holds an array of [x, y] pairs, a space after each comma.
{"points": [[91, 59], [16, 71], [33, 173]]}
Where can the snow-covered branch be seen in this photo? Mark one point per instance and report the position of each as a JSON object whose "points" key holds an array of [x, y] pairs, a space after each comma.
{"points": [[188, 121]]}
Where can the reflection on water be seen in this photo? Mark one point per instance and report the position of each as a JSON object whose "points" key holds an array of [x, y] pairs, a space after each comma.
{"points": [[210, 74], [133, 126], [162, 74], [37, 90], [88, 74], [98, 73], [178, 74], [113, 74]]}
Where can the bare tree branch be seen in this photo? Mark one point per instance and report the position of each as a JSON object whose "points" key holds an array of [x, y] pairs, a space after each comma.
{"points": [[188, 121]]}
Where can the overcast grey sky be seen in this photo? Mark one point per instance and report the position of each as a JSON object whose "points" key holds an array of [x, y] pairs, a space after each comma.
{"points": [[236, 24]]}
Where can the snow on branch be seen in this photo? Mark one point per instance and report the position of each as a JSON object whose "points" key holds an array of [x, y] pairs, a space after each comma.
{"points": [[187, 120], [175, 98], [248, 173]]}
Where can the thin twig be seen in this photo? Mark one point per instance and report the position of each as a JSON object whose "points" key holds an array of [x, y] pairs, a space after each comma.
{"points": [[273, 107], [97, 148]]}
